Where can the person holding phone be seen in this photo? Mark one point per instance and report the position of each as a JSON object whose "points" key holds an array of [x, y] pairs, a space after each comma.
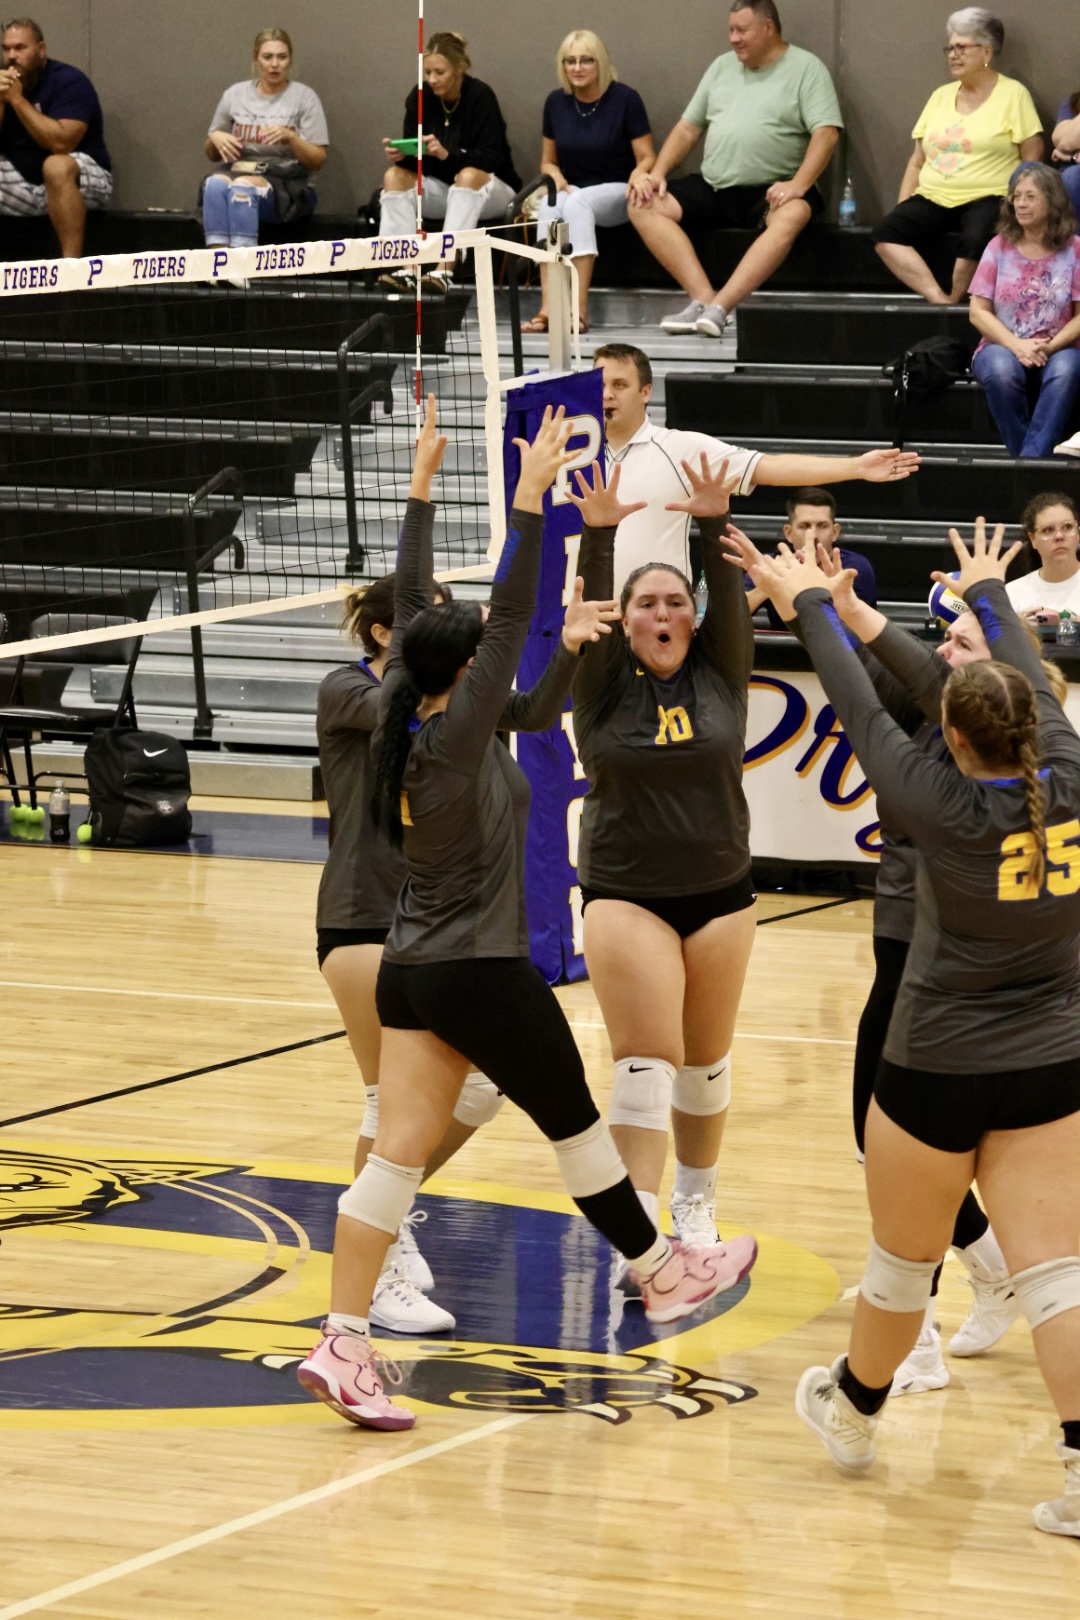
{"points": [[469, 175]]}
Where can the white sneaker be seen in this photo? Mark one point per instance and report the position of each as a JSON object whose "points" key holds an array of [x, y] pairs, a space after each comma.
{"points": [[1068, 447], [846, 1433], [924, 1368], [693, 1219], [398, 1305], [1061, 1517], [437, 281], [396, 281], [994, 1309], [712, 320], [686, 320], [410, 1262]]}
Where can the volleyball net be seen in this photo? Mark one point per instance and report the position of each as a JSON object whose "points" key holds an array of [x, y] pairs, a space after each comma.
{"points": [[224, 433]]}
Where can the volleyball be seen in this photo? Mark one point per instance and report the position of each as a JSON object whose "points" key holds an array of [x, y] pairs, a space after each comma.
{"points": [[945, 606]]}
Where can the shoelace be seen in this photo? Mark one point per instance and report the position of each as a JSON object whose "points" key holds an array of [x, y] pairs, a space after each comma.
{"points": [[847, 1422], [406, 1235]]}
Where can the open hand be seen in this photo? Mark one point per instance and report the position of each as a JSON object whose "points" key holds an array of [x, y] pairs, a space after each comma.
{"points": [[587, 621], [887, 466], [542, 461], [276, 135], [427, 458], [228, 147], [599, 506], [984, 561], [709, 491], [783, 577]]}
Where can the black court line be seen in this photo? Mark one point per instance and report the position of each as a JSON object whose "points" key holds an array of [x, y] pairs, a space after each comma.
{"points": [[804, 911], [171, 1079]]}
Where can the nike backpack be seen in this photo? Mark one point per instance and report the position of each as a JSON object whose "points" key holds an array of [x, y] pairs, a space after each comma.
{"points": [[139, 783]]}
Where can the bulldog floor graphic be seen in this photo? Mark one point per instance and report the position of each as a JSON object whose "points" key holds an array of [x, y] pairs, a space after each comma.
{"points": [[185, 1292]]}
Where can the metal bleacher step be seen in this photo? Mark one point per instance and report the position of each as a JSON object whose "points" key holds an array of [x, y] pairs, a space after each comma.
{"points": [[231, 683], [857, 328]]}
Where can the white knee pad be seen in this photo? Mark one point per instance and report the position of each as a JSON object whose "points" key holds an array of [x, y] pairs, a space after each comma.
{"points": [[703, 1088], [589, 1162], [897, 1285], [382, 1194], [479, 1102], [369, 1125], [1046, 1291], [641, 1094]]}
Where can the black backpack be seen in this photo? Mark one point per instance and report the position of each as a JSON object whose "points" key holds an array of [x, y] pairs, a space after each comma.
{"points": [[922, 372], [140, 783]]}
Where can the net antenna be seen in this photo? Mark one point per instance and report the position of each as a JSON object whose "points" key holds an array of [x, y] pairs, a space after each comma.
{"points": [[419, 403]]}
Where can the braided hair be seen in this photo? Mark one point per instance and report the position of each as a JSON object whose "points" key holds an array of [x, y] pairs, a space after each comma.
{"points": [[437, 644], [994, 706]]}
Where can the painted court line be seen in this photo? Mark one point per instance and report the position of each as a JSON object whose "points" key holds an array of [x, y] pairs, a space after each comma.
{"points": [[249, 1521], [161, 995]]}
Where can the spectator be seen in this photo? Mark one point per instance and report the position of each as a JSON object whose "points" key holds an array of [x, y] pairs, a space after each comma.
{"points": [[1066, 143], [812, 523], [468, 172], [771, 122], [269, 135], [968, 140], [53, 158], [1052, 530], [1025, 300], [596, 133]]}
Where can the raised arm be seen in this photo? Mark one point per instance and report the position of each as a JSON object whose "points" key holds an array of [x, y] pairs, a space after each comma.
{"points": [[602, 511], [726, 635], [540, 707], [414, 573]]}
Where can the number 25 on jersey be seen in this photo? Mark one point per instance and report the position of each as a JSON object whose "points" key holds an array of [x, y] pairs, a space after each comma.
{"points": [[1062, 860]]}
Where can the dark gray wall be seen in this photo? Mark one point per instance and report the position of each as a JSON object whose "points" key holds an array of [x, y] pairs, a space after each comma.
{"points": [[160, 66]]}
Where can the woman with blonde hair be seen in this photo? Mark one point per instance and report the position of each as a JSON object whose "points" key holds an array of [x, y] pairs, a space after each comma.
{"points": [[269, 135], [596, 134]]}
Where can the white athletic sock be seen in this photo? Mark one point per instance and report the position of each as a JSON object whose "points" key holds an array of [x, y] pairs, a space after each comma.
{"points": [[342, 1322], [650, 1203], [983, 1259], [928, 1323], [689, 1181], [645, 1264]]}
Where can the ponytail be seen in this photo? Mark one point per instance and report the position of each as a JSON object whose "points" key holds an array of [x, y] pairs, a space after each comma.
{"points": [[994, 706], [395, 735]]}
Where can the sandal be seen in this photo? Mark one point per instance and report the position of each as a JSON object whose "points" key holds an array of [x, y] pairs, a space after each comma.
{"points": [[539, 323]]}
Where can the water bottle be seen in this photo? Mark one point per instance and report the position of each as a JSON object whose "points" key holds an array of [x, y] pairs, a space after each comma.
{"points": [[60, 814], [1068, 633], [847, 211], [701, 598]]}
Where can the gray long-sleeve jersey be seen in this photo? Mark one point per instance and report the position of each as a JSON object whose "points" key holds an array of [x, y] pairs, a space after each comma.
{"points": [[992, 980], [466, 799], [665, 814]]}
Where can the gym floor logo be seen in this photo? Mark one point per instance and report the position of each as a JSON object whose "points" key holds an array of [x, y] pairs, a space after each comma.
{"points": [[200, 1288]]}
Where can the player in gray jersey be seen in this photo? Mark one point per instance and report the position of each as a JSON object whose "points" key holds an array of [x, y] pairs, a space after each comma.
{"points": [[664, 853], [456, 988], [992, 981]]}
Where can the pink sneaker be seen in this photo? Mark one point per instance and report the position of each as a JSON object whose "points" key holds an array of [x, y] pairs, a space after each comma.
{"points": [[341, 1371], [690, 1276]]}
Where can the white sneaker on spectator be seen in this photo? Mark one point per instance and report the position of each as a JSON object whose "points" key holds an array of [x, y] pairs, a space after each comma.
{"points": [[437, 281], [712, 320], [686, 320], [396, 281], [994, 1309], [1068, 447], [924, 1368], [398, 1305], [408, 1259]]}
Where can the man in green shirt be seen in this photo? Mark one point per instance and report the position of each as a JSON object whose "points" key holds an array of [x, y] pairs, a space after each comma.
{"points": [[771, 121]]}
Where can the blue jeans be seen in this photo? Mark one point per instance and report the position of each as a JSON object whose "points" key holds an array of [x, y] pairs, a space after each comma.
{"points": [[1070, 179], [1031, 405], [232, 210]]}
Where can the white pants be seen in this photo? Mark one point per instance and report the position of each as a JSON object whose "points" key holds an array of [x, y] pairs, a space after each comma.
{"points": [[459, 207], [20, 196], [584, 208]]}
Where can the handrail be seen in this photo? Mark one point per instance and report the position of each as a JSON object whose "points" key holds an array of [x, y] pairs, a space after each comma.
{"points": [[348, 410], [226, 478]]}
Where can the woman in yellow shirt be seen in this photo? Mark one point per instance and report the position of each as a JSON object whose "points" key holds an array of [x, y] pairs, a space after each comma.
{"points": [[968, 140]]}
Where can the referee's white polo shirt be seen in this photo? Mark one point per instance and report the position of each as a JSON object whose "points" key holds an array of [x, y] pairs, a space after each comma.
{"points": [[652, 471]]}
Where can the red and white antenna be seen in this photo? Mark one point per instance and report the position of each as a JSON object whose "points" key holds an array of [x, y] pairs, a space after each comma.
{"points": [[419, 203]]}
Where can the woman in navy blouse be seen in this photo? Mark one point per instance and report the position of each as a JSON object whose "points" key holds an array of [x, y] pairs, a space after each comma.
{"points": [[596, 136]]}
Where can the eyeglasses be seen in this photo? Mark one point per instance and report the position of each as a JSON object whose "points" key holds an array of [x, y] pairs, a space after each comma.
{"points": [[579, 61], [1057, 528], [959, 50]]}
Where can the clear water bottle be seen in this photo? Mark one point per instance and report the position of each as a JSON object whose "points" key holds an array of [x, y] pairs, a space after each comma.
{"points": [[60, 814], [847, 211], [701, 598], [1068, 632]]}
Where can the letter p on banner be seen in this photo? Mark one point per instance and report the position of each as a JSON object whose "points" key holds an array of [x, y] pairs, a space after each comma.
{"points": [[547, 757]]}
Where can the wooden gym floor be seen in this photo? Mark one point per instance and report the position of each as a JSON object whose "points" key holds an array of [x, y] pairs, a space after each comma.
{"points": [[179, 1111]]}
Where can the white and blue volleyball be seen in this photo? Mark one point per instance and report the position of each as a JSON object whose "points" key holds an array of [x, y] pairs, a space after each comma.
{"points": [[944, 604]]}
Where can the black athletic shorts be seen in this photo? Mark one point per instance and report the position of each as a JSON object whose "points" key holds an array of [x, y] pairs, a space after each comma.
{"points": [[918, 222], [733, 207], [328, 939], [953, 1112], [686, 913]]}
